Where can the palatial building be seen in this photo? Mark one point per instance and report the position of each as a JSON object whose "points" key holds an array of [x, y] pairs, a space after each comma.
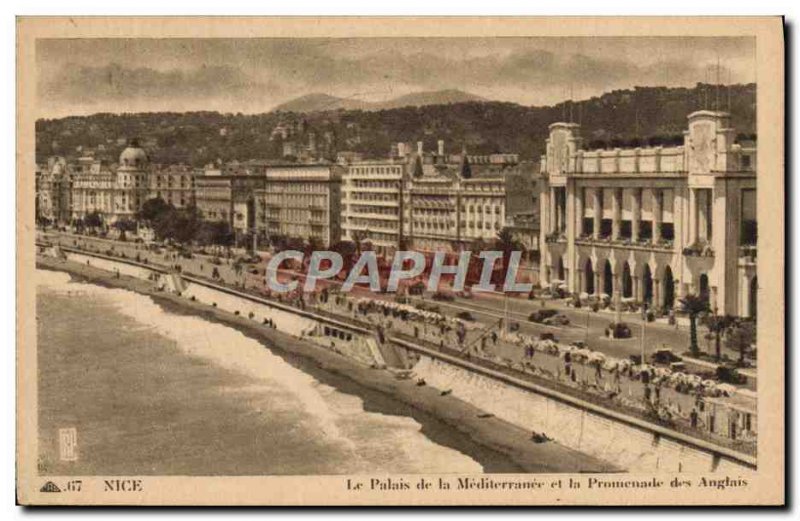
{"points": [[115, 194], [653, 224]]}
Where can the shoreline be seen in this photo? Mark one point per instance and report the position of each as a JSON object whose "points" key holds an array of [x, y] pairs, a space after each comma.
{"points": [[496, 445]]}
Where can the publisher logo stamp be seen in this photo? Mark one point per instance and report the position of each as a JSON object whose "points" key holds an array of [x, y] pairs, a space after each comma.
{"points": [[68, 444]]}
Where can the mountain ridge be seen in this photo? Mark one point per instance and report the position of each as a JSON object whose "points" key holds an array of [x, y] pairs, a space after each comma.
{"points": [[321, 102]]}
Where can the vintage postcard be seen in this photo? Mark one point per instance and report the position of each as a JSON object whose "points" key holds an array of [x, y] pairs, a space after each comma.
{"points": [[400, 261]]}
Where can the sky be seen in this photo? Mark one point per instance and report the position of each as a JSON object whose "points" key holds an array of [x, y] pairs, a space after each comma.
{"points": [[253, 75]]}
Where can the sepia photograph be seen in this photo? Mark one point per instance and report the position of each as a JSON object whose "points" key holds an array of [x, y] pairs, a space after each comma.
{"points": [[478, 264]]}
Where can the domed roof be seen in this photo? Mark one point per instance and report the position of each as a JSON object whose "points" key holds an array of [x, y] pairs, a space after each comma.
{"points": [[133, 156]]}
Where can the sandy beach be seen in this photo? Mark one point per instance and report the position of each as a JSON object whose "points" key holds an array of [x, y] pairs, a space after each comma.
{"points": [[446, 420]]}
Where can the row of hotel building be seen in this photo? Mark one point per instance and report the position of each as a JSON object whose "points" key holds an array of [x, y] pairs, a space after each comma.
{"points": [[649, 224], [419, 199]]}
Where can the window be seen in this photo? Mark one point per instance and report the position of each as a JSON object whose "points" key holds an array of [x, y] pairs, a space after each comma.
{"points": [[748, 228], [588, 225]]}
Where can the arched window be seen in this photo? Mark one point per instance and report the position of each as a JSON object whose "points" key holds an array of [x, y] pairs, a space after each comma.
{"points": [[647, 285], [668, 287], [627, 281], [589, 274], [608, 279]]}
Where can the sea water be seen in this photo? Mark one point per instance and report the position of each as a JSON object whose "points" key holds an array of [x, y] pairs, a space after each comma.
{"points": [[153, 392]]}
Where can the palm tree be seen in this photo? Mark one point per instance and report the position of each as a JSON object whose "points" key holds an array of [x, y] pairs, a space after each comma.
{"points": [[718, 324], [693, 305], [506, 243], [741, 336], [358, 238]]}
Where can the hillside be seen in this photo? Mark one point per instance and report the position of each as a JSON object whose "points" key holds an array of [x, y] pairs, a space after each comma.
{"points": [[318, 102], [483, 126]]}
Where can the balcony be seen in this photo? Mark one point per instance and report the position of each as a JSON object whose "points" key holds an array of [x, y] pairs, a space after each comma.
{"points": [[699, 248], [626, 242]]}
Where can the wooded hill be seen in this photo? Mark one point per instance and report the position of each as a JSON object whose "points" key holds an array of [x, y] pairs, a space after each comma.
{"points": [[637, 116]]}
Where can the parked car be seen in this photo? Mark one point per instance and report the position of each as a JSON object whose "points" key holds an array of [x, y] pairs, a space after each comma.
{"points": [[541, 315], [465, 315], [556, 320], [665, 356]]}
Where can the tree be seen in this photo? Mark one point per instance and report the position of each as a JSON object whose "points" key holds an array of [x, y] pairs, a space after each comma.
{"points": [[93, 219], [358, 238], [475, 262], [186, 224], [347, 250], [124, 226], [741, 336], [314, 244], [506, 243], [717, 325], [152, 209], [217, 232], [693, 305]]}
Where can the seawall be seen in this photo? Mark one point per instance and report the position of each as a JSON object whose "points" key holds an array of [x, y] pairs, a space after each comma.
{"points": [[632, 444]]}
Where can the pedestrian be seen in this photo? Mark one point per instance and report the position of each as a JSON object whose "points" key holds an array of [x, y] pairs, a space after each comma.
{"points": [[647, 393], [693, 417]]}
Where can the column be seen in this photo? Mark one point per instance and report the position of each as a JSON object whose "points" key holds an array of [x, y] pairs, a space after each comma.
{"points": [[597, 200], [713, 300], [544, 215], [637, 214], [692, 216], [616, 206], [597, 286], [635, 289], [570, 202], [617, 289], [579, 192], [553, 211], [656, 216]]}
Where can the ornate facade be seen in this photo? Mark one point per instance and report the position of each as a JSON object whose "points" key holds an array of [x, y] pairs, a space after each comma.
{"points": [[653, 224]]}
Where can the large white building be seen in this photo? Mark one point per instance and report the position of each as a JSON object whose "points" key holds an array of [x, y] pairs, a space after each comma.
{"points": [[372, 203], [301, 201], [115, 194], [424, 201], [653, 224]]}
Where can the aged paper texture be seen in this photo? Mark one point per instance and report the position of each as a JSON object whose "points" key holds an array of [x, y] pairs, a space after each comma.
{"points": [[400, 261]]}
